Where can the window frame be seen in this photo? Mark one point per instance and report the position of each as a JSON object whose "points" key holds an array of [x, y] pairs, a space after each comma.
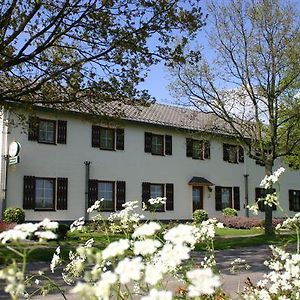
{"points": [[162, 150], [231, 149], [230, 189], [296, 208], [113, 138], [113, 194], [162, 185], [54, 200], [54, 122], [200, 189]]}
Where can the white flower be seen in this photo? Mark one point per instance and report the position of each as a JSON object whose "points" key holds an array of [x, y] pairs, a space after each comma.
{"points": [[95, 206], [157, 200], [77, 224], [45, 235], [154, 274], [13, 235], [182, 234], [203, 282], [37, 282], [158, 295], [129, 269], [268, 181], [27, 227], [47, 224], [55, 259], [145, 247], [85, 290], [102, 287], [115, 248], [146, 229]]}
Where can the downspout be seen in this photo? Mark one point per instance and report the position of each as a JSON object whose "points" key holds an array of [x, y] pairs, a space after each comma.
{"points": [[87, 178], [246, 177]]}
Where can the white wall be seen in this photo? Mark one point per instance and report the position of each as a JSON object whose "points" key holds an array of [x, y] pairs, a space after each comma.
{"points": [[132, 165]]}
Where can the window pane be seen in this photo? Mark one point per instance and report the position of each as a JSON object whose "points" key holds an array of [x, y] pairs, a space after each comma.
{"points": [[44, 194], [47, 131], [226, 197], [107, 138], [197, 149], [156, 190], [232, 153], [197, 201], [157, 144], [105, 190]]}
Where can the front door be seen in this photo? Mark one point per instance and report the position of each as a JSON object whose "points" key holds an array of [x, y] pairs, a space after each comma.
{"points": [[197, 197]]}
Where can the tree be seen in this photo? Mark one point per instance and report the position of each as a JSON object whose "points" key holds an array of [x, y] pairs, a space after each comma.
{"points": [[250, 85], [62, 51]]}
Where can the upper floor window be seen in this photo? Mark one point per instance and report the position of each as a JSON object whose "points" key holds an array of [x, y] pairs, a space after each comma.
{"points": [[107, 138], [197, 149], [227, 197], [158, 144], [233, 153], [47, 131], [294, 200]]}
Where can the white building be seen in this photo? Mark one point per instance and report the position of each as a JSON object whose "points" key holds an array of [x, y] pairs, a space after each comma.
{"points": [[68, 160]]}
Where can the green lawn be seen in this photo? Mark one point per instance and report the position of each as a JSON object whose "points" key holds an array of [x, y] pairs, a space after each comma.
{"points": [[226, 238]]}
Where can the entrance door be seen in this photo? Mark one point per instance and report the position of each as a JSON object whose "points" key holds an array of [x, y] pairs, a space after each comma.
{"points": [[197, 197]]}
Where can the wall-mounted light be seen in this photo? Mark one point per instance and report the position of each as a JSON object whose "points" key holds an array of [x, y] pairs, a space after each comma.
{"points": [[209, 191]]}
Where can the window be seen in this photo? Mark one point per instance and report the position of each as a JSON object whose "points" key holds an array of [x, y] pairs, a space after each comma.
{"points": [[261, 193], [158, 144], [227, 197], [197, 149], [47, 131], [113, 193], [294, 200], [107, 138], [153, 190], [233, 153], [106, 191], [42, 193], [197, 197]]}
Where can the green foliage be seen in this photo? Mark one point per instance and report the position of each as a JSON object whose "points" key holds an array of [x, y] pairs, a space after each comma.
{"points": [[229, 212], [199, 216], [62, 231], [14, 215]]}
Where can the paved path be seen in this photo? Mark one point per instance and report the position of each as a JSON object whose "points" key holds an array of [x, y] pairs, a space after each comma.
{"points": [[254, 256]]}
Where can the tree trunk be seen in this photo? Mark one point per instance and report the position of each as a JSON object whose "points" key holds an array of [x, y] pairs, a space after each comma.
{"points": [[268, 209]]}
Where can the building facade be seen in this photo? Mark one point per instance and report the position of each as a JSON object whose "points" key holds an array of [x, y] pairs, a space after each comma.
{"points": [[68, 161]]}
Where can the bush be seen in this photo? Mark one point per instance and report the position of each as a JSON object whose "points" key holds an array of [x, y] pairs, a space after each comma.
{"points": [[229, 212], [14, 215], [62, 231], [239, 222], [5, 226], [199, 216]]}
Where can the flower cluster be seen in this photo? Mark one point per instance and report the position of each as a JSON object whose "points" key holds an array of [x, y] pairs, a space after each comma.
{"points": [[77, 224], [157, 200], [290, 223], [283, 280], [268, 181], [95, 206], [43, 230]]}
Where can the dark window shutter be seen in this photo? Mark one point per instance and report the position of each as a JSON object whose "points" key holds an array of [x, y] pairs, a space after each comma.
{"points": [[225, 152], [170, 196], [120, 139], [148, 142], [96, 136], [93, 192], [241, 154], [168, 143], [189, 147], [146, 193], [259, 194], [29, 192], [236, 198], [61, 132], [120, 194], [291, 200], [33, 128], [62, 193], [218, 197], [206, 145]]}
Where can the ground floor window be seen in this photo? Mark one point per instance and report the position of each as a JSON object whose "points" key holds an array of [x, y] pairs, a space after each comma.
{"points": [[294, 200], [227, 197], [197, 197], [106, 191], [44, 193]]}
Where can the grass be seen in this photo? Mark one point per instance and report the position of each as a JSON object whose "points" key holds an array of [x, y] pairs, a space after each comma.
{"points": [[226, 238]]}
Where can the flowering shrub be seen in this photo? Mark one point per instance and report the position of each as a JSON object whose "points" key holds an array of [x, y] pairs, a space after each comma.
{"points": [[14, 215], [6, 226], [229, 212], [199, 216]]}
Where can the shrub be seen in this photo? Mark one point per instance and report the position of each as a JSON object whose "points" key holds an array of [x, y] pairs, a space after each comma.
{"points": [[239, 222], [199, 216], [5, 226], [229, 212], [14, 215], [62, 231]]}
